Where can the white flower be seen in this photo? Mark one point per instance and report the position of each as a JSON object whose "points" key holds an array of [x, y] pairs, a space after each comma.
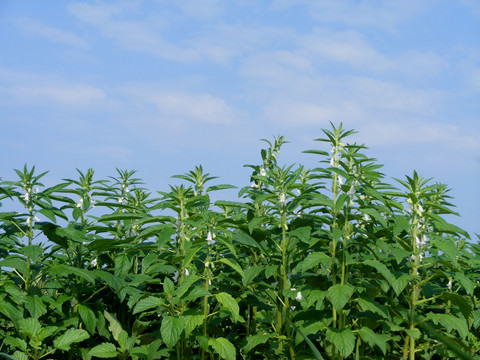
{"points": [[29, 220], [263, 172], [332, 162], [73, 302], [79, 203], [366, 217], [175, 276], [282, 200], [186, 272], [254, 185], [127, 190], [209, 238], [120, 200], [340, 181], [299, 191], [92, 202], [420, 209], [449, 285], [26, 196], [419, 243], [299, 296], [94, 262], [292, 308], [351, 192], [36, 190]]}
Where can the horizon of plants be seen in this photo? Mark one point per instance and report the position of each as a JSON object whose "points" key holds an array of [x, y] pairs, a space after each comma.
{"points": [[325, 263]]}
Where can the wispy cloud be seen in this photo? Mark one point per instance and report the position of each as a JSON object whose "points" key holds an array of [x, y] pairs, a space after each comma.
{"points": [[34, 27], [33, 89]]}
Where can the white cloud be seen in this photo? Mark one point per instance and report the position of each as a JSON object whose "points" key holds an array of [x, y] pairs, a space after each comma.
{"points": [[384, 14], [35, 89], [135, 35], [180, 107], [55, 34], [200, 9]]}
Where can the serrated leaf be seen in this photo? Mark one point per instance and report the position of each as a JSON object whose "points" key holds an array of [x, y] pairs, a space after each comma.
{"points": [[147, 303], [16, 342], [251, 274], [191, 322], [381, 268], [88, 318], [302, 233], [71, 270], [185, 285], [450, 322], [312, 260], [255, 340], [372, 338], [223, 347], [234, 265], [31, 327], [339, 295], [32, 251], [343, 340], [171, 329], [229, 302], [368, 304], [400, 282], [35, 306], [114, 325], [104, 351], [69, 337]]}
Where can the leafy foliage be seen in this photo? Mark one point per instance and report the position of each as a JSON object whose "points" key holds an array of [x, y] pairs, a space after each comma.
{"points": [[325, 263]]}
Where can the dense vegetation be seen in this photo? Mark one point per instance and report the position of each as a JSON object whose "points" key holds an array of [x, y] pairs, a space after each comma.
{"points": [[327, 263]]}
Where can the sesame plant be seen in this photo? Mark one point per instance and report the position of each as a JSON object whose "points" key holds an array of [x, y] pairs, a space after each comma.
{"points": [[333, 262]]}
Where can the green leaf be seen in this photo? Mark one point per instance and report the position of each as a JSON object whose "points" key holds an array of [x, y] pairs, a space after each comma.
{"points": [[229, 302], [191, 322], [168, 287], [69, 337], [368, 304], [381, 268], [245, 239], [312, 260], [171, 329], [343, 340], [234, 265], [400, 282], [35, 306], [375, 215], [147, 303], [302, 233], [104, 351], [32, 251], [467, 284], [251, 274], [195, 292], [339, 295], [255, 340], [185, 285], [450, 322], [18, 343], [122, 264], [88, 318], [223, 347], [462, 304], [71, 270], [31, 327], [114, 325], [372, 338]]}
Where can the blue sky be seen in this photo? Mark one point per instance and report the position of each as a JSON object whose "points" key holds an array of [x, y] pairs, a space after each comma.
{"points": [[161, 86]]}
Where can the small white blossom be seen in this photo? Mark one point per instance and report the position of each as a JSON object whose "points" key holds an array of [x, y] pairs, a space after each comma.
{"points": [[255, 185], [175, 276], [29, 220], [209, 238], [366, 217], [299, 296], [120, 200], [26, 196], [449, 285], [299, 191], [92, 202], [79, 203], [127, 190], [263, 172], [419, 243], [94, 262], [73, 302], [36, 190], [282, 200], [351, 192], [187, 272], [332, 162], [292, 308], [340, 181]]}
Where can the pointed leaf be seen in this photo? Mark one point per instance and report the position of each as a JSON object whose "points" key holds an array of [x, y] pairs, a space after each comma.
{"points": [[171, 329], [339, 295], [104, 351], [229, 302], [223, 347], [69, 337], [343, 340]]}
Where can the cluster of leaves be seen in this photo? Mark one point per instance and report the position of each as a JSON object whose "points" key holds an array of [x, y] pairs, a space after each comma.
{"points": [[327, 263]]}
